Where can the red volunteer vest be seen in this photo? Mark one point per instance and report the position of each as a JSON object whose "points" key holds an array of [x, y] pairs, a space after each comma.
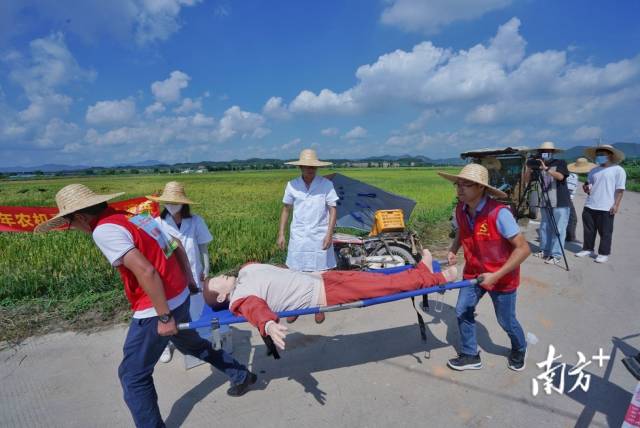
{"points": [[485, 250], [169, 269]]}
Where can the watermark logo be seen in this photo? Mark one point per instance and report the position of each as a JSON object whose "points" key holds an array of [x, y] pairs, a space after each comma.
{"points": [[553, 376]]}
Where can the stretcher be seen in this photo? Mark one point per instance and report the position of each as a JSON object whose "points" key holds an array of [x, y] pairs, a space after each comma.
{"points": [[216, 319]]}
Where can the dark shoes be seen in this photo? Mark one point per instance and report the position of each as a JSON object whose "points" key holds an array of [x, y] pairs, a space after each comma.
{"points": [[319, 318], [240, 388], [465, 362], [291, 320], [517, 360]]}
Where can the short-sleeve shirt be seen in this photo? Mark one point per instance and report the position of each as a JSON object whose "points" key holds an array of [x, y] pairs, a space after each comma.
{"points": [[560, 198], [114, 242], [604, 182], [506, 222]]}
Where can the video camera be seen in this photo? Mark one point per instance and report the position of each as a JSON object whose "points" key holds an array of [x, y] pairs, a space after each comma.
{"points": [[534, 161]]}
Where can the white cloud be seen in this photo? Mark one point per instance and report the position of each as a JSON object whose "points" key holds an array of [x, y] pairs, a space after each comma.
{"points": [[236, 122], [58, 133], [144, 21], [45, 106], [330, 132], [201, 120], [111, 112], [49, 67], [485, 113], [325, 102], [275, 108], [514, 138], [291, 144], [587, 133], [154, 108], [188, 105], [168, 90], [429, 16], [356, 133]]}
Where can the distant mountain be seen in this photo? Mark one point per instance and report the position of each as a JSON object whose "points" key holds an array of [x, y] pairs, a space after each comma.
{"points": [[631, 150], [44, 168], [143, 164]]}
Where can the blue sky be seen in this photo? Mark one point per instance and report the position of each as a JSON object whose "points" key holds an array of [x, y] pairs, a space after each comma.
{"points": [[103, 83]]}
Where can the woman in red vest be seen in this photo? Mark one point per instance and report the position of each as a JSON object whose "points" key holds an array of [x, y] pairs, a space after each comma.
{"points": [[494, 248]]}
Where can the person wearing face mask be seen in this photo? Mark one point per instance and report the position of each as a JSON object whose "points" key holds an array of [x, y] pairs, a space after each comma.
{"points": [[177, 220], [554, 175], [313, 200], [604, 186], [155, 274]]}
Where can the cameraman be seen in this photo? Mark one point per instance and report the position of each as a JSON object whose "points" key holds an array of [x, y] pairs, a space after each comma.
{"points": [[553, 174]]}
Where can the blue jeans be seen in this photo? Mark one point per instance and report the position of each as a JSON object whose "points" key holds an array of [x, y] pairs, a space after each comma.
{"points": [[504, 305], [142, 349], [549, 243]]}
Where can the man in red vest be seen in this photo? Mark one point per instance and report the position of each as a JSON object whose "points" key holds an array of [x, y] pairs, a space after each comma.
{"points": [[155, 272], [494, 248]]}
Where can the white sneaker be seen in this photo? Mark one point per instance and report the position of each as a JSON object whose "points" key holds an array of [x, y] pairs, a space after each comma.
{"points": [[166, 354], [554, 260], [583, 253], [602, 259], [539, 254]]}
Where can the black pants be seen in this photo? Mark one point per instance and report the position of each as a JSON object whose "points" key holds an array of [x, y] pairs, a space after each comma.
{"points": [[573, 222], [601, 222]]}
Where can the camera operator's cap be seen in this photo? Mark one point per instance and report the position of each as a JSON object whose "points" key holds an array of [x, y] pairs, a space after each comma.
{"points": [[308, 157], [476, 173], [617, 156], [173, 193], [548, 145], [70, 199], [581, 166]]}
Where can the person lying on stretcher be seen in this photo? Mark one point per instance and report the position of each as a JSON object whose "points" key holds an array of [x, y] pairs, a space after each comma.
{"points": [[260, 290]]}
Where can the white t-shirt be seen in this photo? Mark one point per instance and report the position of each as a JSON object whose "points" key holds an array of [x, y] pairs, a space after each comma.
{"points": [[604, 182], [115, 241]]}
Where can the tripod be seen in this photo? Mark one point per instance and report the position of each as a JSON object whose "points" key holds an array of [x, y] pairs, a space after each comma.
{"points": [[544, 202]]}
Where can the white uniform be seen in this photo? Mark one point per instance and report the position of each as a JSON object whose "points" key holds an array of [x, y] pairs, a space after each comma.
{"points": [[309, 224], [192, 232]]}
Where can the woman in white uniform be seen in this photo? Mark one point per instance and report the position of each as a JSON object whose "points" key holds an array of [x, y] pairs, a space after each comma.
{"points": [[313, 200], [176, 220]]}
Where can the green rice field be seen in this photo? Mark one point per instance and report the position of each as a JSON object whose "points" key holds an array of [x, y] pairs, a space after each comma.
{"points": [[62, 276]]}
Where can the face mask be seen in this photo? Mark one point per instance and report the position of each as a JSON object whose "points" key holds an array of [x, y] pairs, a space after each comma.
{"points": [[173, 208], [546, 156], [602, 159]]}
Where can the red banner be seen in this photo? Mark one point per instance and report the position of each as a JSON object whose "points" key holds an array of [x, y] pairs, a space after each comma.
{"points": [[25, 219]]}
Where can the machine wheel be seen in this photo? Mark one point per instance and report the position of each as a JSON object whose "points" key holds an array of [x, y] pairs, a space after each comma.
{"points": [[396, 250]]}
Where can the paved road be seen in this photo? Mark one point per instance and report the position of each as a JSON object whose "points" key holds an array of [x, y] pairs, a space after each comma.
{"points": [[367, 367]]}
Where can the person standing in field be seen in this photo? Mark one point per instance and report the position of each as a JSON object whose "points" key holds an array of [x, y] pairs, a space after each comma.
{"points": [[605, 186], [157, 279], [494, 248], [176, 220], [313, 201], [580, 166]]}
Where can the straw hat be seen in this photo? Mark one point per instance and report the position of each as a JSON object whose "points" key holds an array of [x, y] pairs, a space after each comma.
{"points": [[617, 156], [581, 166], [491, 163], [308, 157], [70, 199], [476, 173], [548, 145], [173, 193]]}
